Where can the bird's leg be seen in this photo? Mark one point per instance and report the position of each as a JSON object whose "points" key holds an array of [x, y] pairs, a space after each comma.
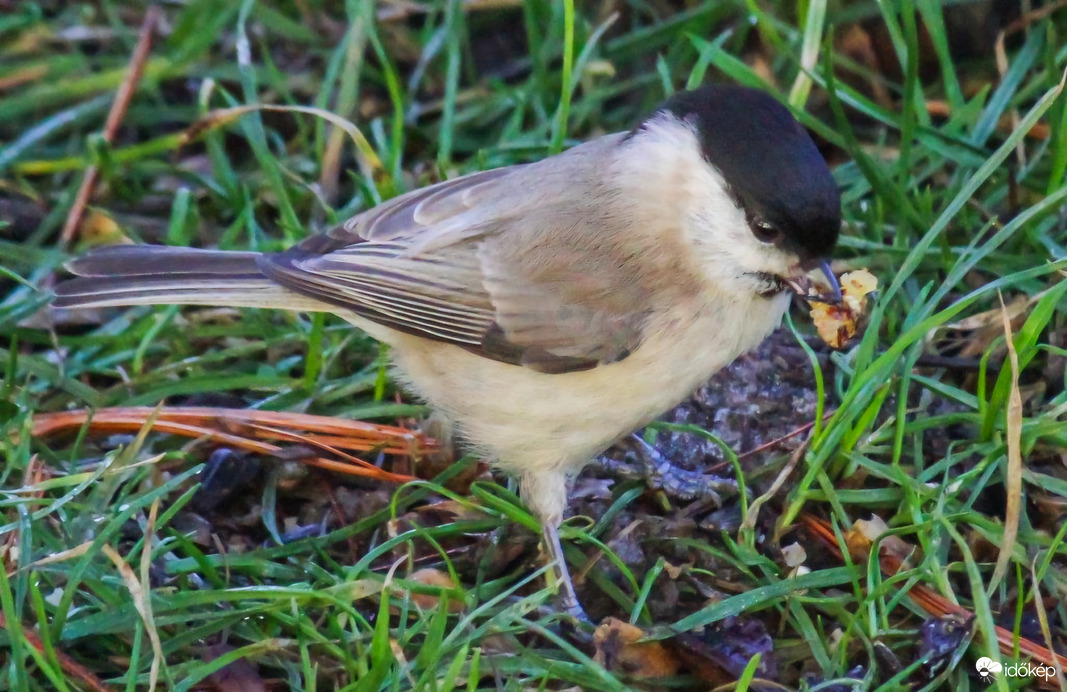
{"points": [[545, 493], [560, 574]]}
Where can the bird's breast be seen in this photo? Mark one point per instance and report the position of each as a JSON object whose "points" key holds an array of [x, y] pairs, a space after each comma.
{"points": [[528, 421]]}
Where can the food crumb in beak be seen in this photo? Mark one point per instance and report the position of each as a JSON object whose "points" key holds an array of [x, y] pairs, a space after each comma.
{"points": [[826, 291], [838, 324]]}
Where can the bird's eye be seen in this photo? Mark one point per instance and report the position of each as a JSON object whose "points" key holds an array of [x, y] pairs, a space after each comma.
{"points": [[764, 232]]}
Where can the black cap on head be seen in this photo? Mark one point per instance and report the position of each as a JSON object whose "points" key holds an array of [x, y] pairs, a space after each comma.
{"points": [[769, 162]]}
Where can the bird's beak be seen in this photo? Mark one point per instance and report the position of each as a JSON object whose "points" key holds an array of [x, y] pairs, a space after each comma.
{"points": [[803, 286]]}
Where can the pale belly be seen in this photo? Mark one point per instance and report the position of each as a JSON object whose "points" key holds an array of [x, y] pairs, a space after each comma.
{"points": [[529, 422]]}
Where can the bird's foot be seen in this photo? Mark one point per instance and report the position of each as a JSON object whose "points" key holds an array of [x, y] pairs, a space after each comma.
{"points": [[661, 474]]}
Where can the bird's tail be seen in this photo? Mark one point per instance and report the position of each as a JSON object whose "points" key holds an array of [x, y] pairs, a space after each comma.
{"points": [[156, 275]]}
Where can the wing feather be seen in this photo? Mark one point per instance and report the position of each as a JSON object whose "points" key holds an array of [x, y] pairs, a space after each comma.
{"points": [[453, 262]]}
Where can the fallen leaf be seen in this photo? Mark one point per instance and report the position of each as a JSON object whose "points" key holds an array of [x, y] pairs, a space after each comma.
{"points": [[619, 649], [865, 532], [442, 580]]}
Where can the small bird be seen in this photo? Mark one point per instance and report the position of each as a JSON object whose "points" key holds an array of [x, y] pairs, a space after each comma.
{"points": [[549, 308]]}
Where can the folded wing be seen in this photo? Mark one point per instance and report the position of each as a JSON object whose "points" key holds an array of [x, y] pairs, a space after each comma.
{"points": [[508, 263]]}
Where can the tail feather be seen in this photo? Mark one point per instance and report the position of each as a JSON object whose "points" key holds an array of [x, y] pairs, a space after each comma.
{"points": [[156, 275], [141, 260]]}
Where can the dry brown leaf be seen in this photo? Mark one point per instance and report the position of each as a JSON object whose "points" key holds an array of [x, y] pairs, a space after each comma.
{"points": [[434, 577], [1013, 482], [865, 532], [675, 571], [143, 605], [972, 336], [619, 649], [98, 228]]}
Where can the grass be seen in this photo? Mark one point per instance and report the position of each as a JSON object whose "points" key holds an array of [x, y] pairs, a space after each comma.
{"points": [[950, 208]]}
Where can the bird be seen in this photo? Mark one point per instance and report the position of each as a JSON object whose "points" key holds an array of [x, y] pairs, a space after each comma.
{"points": [[549, 308]]}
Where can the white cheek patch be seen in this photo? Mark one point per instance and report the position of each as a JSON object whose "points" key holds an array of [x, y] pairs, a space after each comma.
{"points": [[720, 227], [676, 177]]}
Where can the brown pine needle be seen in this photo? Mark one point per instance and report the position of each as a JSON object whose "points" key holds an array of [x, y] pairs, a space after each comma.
{"points": [[934, 603], [114, 118], [249, 430], [72, 669]]}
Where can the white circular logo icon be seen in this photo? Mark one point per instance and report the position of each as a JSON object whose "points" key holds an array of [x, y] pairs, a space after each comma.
{"points": [[987, 668]]}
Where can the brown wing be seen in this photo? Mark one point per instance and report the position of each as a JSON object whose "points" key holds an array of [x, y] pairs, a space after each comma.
{"points": [[466, 261]]}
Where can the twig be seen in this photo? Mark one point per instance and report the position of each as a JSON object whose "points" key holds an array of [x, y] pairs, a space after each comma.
{"points": [[114, 118], [779, 440]]}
